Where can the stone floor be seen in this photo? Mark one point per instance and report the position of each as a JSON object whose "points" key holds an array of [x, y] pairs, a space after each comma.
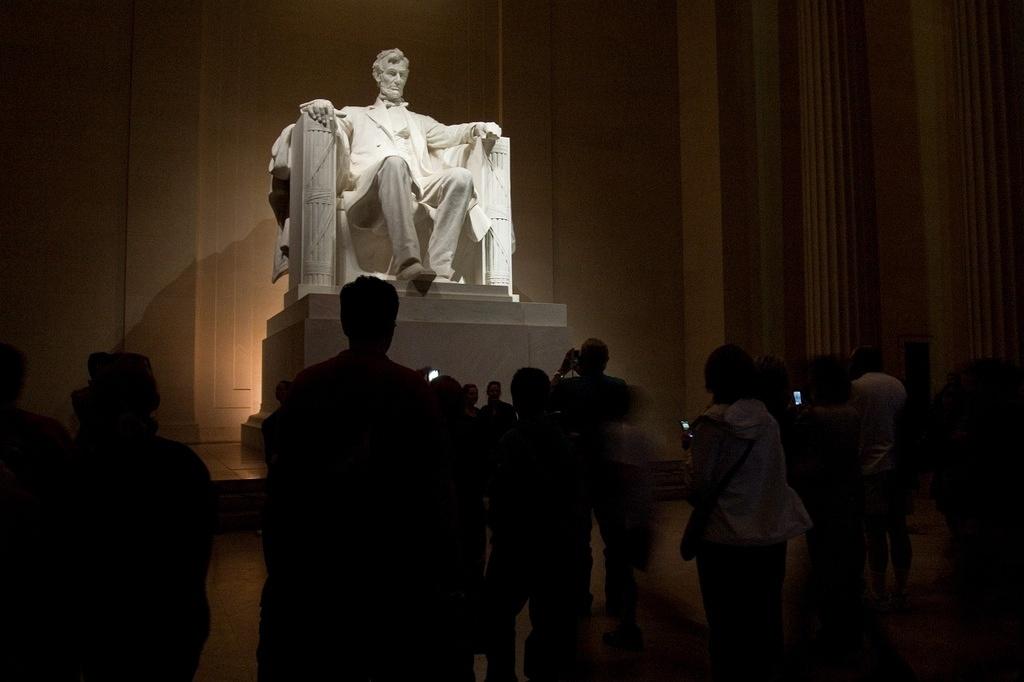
{"points": [[670, 614], [930, 642], [227, 461]]}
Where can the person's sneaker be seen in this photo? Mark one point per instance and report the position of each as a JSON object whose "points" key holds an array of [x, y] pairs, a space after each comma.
{"points": [[628, 637]]}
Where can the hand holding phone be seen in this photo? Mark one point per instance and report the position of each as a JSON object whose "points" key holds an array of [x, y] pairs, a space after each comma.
{"points": [[687, 437]]}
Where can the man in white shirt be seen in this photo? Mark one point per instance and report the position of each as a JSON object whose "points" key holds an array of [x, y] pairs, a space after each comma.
{"points": [[392, 160], [880, 399]]}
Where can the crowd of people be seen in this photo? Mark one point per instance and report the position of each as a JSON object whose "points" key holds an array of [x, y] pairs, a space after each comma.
{"points": [[400, 512], [376, 526]]}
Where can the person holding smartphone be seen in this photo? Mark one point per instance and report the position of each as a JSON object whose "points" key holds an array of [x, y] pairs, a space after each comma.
{"points": [[741, 555]]}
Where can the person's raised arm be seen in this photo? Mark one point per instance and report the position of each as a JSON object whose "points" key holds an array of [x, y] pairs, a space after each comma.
{"points": [[568, 365]]}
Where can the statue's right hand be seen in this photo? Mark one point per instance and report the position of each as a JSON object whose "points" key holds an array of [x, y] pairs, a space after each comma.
{"points": [[320, 110]]}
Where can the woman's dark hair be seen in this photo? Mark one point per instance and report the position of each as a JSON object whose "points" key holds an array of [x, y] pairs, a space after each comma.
{"points": [[730, 374], [830, 382]]}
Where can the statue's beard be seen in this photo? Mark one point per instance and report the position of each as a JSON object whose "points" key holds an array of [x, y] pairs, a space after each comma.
{"points": [[391, 93]]}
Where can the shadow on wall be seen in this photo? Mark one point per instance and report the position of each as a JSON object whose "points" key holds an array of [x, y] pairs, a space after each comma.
{"points": [[202, 333], [165, 333]]}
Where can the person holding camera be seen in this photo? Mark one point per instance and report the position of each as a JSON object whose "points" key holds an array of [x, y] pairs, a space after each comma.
{"points": [[585, 404]]}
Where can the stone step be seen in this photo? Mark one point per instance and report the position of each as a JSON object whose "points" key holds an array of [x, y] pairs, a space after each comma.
{"points": [[240, 503]]}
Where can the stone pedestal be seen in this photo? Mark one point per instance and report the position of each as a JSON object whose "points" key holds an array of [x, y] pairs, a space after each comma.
{"points": [[475, 333]]}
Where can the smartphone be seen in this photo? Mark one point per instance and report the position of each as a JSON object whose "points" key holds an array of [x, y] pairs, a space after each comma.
{"points": [[433, 374], [684, 425], [797, 398]]}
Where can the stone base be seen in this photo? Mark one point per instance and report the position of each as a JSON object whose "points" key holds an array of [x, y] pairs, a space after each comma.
{"points": [[446, 290], [474, 333]]}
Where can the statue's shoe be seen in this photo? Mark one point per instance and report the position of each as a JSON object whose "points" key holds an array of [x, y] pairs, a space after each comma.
{"points": [[445, 276], [415, 271]]}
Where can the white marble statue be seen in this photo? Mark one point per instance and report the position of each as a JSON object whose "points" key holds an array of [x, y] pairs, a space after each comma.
{"points": [[391, 166]]}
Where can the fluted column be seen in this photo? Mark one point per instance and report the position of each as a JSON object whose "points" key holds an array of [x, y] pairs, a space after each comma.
{"points": [[494, 194], [313, 228], [840, 242], [992, 198]]}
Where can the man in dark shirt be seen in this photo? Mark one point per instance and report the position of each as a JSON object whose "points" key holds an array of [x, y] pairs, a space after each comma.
{"points": [[497, 416], [360, 535], [141, 551], [35, 452], [533, 518], [585, 404]]}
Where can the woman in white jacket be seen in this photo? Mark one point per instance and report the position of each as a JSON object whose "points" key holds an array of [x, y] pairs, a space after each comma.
{"points": [[741, 560]]}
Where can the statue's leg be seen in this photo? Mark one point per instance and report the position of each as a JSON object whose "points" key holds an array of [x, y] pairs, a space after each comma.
{"points": [[394, 187], [450, 192]]}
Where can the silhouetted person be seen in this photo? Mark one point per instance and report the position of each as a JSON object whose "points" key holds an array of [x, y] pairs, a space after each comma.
{"points": [[947, 449], [825, 471], [471, 471], [880, 400], [144, 513], [986, 485], [360, 534], [585, 404], [496, 415], [471, 395], [627, 515], [741, 559], [271, 426], [775, 391], [533, 505], [35, 451]]}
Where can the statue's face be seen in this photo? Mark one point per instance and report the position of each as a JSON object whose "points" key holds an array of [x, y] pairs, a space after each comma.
{"points": [[392, 79]]}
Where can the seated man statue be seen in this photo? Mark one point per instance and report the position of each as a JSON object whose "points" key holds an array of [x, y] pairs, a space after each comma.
{"points": [[394, 155]]}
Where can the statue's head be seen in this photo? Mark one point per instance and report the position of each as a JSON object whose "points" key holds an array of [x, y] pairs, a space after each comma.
{"points": [[391, 71]]}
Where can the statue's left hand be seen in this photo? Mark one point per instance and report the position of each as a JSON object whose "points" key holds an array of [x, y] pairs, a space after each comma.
{"points": [[489, 130]]}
